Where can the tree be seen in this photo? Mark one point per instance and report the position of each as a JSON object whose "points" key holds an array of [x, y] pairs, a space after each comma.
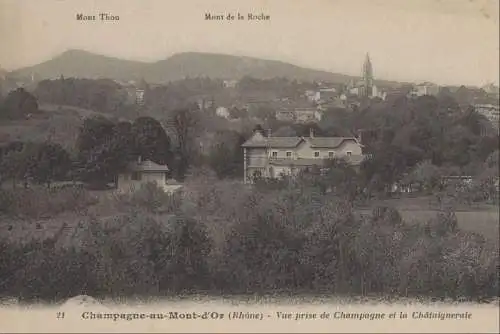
{"points": [[101, 151], [18, 104], [102, 95], [48, 162], [184, 123], [150, 140], [94, 132], [426, 175], [226, 157], [493, 160], [341, 178], [38, 162], [285, 131], [387, 165], [15, 164]]}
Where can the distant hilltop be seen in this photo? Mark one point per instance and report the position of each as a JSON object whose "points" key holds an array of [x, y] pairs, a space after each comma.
{"points": [[84, 64]]}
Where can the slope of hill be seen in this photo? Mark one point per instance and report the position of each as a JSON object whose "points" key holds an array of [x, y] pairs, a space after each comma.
{"points": [[77, 63], [83, 64], [194, 64]]}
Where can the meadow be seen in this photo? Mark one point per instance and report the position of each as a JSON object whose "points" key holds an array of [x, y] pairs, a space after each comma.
{"points": [[479, 218]]}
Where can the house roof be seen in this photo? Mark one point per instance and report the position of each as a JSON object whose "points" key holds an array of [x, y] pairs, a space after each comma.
{"points": [[291, 142], [282, 142], [328, 142], [147, 166]]}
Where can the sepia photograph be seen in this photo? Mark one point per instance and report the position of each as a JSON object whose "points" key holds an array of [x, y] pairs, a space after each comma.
{"points": [[249, 166]]}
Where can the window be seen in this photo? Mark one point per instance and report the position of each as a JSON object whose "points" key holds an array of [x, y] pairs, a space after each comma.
{"points": [[136, 176], [349, 153], [331, 155], [288, 154], [274, 154], [316, 154]]}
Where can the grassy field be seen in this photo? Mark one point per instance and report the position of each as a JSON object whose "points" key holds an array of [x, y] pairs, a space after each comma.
{"points": [[479, 218]]}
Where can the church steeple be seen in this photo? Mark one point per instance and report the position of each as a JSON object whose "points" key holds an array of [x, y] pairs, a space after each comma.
{"points": [[368, 74]]}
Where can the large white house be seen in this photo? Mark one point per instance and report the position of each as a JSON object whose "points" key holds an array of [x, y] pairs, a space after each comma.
{"points": [[272, 157]]}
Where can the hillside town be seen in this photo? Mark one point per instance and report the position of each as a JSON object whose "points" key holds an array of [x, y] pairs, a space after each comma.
{"points": [[289, 110]]}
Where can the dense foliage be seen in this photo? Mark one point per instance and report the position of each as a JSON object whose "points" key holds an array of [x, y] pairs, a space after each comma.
{"points": [[221, 236], [231, 239]]}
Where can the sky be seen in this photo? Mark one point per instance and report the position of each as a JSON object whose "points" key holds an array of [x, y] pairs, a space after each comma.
{"points": [[444, 41]]}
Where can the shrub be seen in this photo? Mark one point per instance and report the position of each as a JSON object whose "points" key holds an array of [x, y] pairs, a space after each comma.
{"points": [[327, 257], [237, 239], [152, 198], [262, 251], [41, 202], [139, 253]]}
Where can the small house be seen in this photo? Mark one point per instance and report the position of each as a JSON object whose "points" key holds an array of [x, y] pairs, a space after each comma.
{"points": [[141, 172]]}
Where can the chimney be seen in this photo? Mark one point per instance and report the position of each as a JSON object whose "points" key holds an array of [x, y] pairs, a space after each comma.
{"points": [[359, 135], [268, 133], [311, 132]]}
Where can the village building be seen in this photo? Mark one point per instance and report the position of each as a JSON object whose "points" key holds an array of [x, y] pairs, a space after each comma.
{"points": [[141, 172], [490, 111], [223, 112], [274, 157], [299, 115], [230, 83], [425, 88]]}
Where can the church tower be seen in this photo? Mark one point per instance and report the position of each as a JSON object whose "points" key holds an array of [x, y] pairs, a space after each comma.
{"points": [[368, 76]]}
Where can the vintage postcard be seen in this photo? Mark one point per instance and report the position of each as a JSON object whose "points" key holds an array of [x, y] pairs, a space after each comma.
{"points": [[230, 166]]}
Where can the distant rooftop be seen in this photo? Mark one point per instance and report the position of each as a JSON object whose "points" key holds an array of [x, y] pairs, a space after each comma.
{"points": [[291, 142], [147, 166]]}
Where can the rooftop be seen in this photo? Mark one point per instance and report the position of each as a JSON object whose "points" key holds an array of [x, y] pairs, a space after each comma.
{"points": [[291, 142], [147, 166]]}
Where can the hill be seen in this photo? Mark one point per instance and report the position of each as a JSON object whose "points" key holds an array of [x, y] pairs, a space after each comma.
{"points": [[83, 64]]}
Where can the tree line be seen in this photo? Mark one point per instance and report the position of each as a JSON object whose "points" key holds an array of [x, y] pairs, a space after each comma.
{"points": [[402, 135], [104, 147]]}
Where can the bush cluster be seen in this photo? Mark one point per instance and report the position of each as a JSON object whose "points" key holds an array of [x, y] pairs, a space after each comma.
{"points": [[230, 239], [43, 202]]}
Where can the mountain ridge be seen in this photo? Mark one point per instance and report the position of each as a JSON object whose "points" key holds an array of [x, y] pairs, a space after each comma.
{"points": [[85, 64]]}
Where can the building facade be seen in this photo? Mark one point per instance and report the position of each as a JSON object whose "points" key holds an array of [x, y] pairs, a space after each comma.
{"points": [[300, 115], [426, 88], [142, 172], [491, 112], [274, 157]]}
